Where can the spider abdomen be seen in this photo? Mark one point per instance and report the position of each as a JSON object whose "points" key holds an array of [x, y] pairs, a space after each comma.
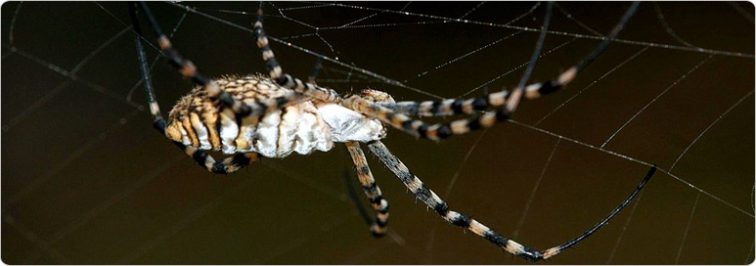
{"points": [[302, 127]]}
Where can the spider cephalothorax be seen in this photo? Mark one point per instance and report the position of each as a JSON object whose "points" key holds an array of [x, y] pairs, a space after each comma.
{"points": [[274, 116]]}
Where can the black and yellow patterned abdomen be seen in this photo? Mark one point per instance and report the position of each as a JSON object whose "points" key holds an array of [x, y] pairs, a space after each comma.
{"points": [[200, 123]]}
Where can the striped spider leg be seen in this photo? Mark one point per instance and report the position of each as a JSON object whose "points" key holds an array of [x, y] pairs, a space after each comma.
{"points": [[498, 106], [283, 79], [188, 70], [372, 191], [433, 201]]}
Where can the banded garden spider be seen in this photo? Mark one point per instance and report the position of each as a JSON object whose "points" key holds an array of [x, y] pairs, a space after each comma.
{"points": [[254, 116]]}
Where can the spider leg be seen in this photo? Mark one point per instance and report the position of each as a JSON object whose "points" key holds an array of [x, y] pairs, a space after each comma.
{"points": [[427, 196], [228, 165], [144, 71], [498, 106], [279, 76], [372, 191], [469, 106], [187, 69]]}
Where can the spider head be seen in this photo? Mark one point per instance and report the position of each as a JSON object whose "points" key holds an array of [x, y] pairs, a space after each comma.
{"points": [[376, 96]]}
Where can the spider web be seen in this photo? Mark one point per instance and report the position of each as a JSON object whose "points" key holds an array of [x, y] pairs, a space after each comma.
{"points": [[86, 179]]}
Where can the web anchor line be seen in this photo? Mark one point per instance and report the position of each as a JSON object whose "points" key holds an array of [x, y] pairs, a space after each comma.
{"points": [[629, 158], [582, 36]]}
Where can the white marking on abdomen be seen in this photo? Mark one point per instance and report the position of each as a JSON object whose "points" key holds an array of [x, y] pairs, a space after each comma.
{"points": [[267, 134], [185, 137], [201, 131], [299, 129], [229, 131]]}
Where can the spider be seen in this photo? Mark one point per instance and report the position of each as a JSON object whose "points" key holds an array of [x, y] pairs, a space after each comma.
{"points": [[273, 116]]}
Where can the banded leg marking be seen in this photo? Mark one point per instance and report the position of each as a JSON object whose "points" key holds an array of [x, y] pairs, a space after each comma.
{"points": [[185, 67], [450, 107], [282, 78], [427, 196], [499, 100], [419, 128], [228, 165], [432, 200], [372, 191]]}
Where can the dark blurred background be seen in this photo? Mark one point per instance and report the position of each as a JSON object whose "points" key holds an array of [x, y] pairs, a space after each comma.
{"points": [[85, 178]]}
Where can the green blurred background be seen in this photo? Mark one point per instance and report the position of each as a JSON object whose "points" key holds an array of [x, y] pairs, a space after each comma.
{"points": [[86, 180]]}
